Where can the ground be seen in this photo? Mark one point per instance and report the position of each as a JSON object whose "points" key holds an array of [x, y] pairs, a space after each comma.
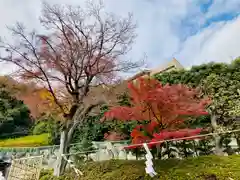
{"points": [[205, 167]]}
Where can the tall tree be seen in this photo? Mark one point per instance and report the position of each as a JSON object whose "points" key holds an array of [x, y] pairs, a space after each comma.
{"points": [[81, 48], [220, 81], [223, 90], [159, 109], [194, 76]]}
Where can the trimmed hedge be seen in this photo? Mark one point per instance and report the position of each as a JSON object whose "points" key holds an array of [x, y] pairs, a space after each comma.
{"points": [[200, 168], [26, 141]]}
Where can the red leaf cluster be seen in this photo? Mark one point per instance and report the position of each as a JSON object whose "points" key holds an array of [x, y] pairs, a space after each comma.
{"points": [[167, 105], [164, 107]]}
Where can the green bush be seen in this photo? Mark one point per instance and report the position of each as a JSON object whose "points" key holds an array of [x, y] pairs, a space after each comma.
{"points": [[27, 141], [48, 124], [14, 115], [41, 128], [199, 168]]}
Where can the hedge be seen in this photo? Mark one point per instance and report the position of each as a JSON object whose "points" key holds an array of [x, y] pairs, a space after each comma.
{"points": [[200, 168], [26, 141]]}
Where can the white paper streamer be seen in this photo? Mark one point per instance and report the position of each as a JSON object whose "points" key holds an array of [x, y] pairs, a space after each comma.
{"points": [[1, 176], [77, 171], [149, 164]]}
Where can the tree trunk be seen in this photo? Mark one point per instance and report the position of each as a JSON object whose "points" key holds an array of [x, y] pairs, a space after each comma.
{"points": [[159, 151], [185, 149], [217, 138], [168, 150], [195, 148], [62, 150], [76, 114], [61, 163]]}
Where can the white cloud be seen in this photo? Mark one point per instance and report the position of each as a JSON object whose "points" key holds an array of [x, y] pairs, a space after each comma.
{"points": [[219, 42], [155, 20], [159, 31]]}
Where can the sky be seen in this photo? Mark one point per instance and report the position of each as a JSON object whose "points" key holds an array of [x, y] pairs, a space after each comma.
{"points": [[192, 31]]}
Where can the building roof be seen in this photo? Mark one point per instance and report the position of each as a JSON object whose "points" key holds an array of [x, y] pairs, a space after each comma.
{"points": [[173, 64], [111, 93]]}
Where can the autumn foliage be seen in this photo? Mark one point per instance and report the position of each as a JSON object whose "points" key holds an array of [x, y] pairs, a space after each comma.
{"points": [[159, 110], [81, 48], [40, 101]]}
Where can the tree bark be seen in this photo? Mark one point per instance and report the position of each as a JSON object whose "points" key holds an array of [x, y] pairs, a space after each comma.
{"points": [[65, 140], [66, 136], [62, 150], [217, 138], [185, 149], [159, 151]]}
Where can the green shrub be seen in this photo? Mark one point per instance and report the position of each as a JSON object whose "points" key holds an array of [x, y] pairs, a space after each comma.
{"points": [[14, 115], [27, 141], [41, 128], [199, 168], [48, 124]]}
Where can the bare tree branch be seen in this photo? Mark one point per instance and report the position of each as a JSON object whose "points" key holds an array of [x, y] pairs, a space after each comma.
{"points": [[82, 47]]}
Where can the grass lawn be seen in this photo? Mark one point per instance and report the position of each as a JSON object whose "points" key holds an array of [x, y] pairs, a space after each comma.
{"points": [[26, 141], [199, 168]]}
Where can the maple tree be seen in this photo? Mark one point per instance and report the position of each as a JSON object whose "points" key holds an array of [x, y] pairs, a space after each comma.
{"points": [[160, 110], [81, 48]]}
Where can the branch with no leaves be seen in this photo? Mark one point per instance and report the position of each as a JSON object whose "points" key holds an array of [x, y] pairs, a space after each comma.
{"points": [[82, 47]]}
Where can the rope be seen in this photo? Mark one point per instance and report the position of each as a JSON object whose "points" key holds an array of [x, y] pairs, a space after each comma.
{"points": [[157, 142], [184, 138], [149, 169], [128, 146]]}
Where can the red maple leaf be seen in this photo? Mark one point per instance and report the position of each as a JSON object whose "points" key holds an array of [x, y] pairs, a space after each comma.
{"points": [[165, 108]]}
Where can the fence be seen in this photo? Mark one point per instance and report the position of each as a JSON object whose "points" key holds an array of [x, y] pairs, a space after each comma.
{"points": [[98, 151], [25, 168], [95, 151], [174, 148]]}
